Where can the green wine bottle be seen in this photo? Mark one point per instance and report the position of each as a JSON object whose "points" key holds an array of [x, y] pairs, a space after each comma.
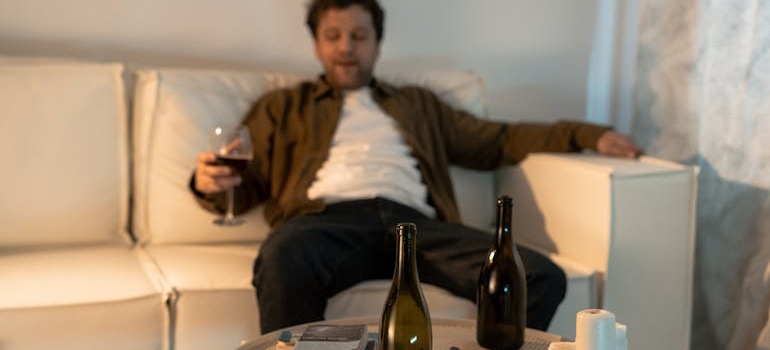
{"points": [[502, 289], [405, 323]]}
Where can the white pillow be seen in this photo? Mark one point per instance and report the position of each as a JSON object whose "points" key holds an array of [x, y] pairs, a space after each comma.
{"points": [[462, 89], [63, 142]]}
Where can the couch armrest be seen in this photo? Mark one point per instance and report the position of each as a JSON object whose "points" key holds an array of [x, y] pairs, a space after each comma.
{"points": [[631, 220]]}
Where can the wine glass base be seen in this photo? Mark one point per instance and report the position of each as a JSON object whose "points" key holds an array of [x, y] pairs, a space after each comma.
{"points": [[229, 221]]}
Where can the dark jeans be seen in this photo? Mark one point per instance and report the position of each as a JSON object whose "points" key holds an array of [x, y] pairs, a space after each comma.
{"points": [[312, 257]]}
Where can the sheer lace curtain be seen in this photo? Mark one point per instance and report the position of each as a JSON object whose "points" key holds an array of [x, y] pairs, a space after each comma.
{"points": [[702, 96]]}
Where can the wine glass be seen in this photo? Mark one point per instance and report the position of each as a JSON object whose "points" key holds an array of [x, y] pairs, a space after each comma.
{"points": [[232, 147]]}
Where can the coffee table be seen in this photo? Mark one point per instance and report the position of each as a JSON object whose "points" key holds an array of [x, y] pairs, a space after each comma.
{"points": [[447, 334]]}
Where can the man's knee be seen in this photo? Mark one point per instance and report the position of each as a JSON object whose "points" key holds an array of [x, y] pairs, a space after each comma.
{"points": [[282, 261], [557, 283], [551, 277]]}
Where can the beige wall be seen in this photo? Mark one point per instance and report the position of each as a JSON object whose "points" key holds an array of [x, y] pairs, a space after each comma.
{"points": [[533, 53]]}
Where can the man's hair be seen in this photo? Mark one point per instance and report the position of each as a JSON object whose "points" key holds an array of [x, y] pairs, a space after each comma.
{"points": [[317, 7]]}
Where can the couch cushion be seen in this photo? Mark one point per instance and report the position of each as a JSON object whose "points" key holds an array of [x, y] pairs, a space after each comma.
{"points": [[63, 135], [174, 112], [214, 305], [81, 298], [175, 109]]}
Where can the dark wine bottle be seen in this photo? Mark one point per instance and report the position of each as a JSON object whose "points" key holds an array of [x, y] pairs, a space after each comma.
{"points": [[502, 290], [405, 323]]}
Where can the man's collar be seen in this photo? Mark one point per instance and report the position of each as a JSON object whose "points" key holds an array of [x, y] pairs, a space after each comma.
{"points": [[323, 88]]}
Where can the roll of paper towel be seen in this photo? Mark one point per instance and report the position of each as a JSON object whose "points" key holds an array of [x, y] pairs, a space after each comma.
{"points": [[595, 330]]}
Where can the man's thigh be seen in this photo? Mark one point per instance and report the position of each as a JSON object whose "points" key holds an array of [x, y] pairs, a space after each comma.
{"points": [[450, 255], [336, 254]]}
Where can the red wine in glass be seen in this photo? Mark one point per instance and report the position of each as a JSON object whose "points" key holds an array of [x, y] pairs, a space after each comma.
{"points": [[236, 162], [232, 147]]}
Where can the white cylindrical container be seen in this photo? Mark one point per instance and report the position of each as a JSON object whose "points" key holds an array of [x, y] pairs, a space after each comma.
{"points": [[595, 330], [621, 337]]}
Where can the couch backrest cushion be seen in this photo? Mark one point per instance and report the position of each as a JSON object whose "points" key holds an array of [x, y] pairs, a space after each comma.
{"points": [[63, 142], [175, 109]]}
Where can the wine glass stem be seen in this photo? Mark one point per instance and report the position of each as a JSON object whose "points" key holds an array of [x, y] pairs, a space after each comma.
{"points": [[230, 198]]}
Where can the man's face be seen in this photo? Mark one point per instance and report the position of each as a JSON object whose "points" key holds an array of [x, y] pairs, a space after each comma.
{"points": [[346, 44]]}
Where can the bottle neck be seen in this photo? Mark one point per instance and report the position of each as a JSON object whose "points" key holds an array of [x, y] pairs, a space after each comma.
{"points": [[406, 259], [504, 229]]}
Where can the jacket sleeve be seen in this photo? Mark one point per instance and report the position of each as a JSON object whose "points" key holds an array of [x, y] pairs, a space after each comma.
{"points": [[486, 144], [564, 136]]}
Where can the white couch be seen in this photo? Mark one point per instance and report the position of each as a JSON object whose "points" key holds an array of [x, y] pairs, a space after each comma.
{"points": [[102, 246]]}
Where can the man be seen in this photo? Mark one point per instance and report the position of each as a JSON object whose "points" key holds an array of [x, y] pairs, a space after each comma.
{"points": [[339, 161]]}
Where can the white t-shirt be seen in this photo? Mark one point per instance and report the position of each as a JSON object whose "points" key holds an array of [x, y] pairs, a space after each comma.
{"points": [[369, 158]]}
